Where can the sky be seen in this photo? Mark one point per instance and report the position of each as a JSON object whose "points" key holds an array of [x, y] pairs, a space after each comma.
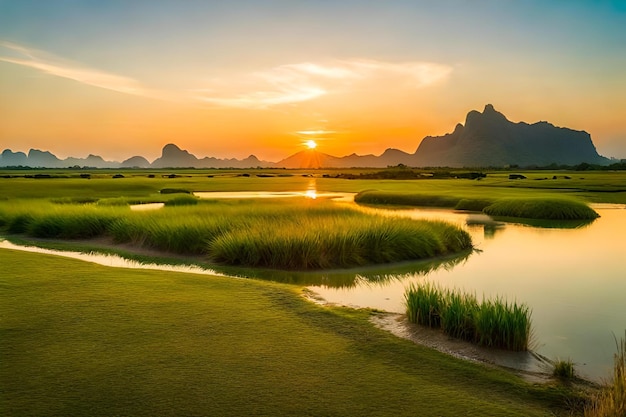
{"points": [[229, 79]]}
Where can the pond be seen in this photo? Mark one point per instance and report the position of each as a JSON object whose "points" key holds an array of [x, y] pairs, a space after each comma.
{"points": [[574, 280], [572, 276]]}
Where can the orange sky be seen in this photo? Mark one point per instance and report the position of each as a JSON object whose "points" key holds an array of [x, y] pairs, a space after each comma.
{"points": [[229, 82]]}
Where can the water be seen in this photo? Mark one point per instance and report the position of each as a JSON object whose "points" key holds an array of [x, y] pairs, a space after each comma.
{"points": [[574, 280]]}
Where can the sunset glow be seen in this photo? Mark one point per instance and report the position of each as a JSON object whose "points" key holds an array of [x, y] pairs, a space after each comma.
{"points": [[311, 144], [227, 80]]}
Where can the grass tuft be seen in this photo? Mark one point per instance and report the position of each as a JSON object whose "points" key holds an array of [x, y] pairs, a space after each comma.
{"points": [[563, 368], [493, 323]]}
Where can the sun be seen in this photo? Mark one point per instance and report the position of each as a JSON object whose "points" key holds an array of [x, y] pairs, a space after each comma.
{"points": [[311, 144]]}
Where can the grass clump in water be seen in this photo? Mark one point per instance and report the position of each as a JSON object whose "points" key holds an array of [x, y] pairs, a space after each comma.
{"points": [[563, 368], [542, 208], [295, 235], [493, 323], [611, 401]]}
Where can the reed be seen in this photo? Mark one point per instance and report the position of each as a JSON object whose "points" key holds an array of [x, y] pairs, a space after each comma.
{"points": [[424, 304], [541, 208], [503, 325], [493, 323], [611, 400]]}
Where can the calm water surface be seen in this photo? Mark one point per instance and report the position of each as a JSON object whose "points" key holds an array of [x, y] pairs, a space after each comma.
{"points": [[574, 280]]}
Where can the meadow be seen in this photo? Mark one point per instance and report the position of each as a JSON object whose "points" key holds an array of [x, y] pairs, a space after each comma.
{"points": [[83, 339], [145, 343]]}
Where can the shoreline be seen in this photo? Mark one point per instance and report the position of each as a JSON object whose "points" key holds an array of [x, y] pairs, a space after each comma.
{"points": [[532, 367]]}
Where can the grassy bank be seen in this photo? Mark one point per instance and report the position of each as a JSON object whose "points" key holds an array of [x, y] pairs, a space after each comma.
{"points": [[541, 208], [611, 400], [544, 208], [492, 323], [81, 339], [599, 187], [299, 234]]}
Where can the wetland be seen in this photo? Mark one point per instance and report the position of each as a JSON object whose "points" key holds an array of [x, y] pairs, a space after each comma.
{"points": [[569, 273]]}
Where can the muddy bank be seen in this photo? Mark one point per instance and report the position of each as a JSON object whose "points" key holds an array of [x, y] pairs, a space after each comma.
{"points": [[529, 365]]}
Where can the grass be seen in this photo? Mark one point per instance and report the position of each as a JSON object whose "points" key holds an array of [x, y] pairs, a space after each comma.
{"points": [[492, 323], [406, 199], [611, 401], [304, 235], [541, 208], [563, 368], [544, 208], [82, 339]]}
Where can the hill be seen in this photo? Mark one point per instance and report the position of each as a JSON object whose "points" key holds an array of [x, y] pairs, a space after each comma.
{"points": [[487, 139], [490, 139]]}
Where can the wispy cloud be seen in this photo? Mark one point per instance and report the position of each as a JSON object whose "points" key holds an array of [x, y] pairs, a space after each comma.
{"points": [[59, 67], [294, 83], [278, 86]]}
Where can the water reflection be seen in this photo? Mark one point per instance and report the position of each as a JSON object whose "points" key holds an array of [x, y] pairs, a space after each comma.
{"points": [[372, 276], [146, 206], [573, 279]]}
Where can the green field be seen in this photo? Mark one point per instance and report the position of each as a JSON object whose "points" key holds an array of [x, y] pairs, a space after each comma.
{"points": [[590, 186], [81, 339]]}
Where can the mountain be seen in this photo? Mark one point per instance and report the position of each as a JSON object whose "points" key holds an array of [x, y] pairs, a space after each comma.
{"points": [[309, 158], [94, 161], [490, 139], [37, 158], [135, 162], [487, 139], [13, 159], [174, 157]]}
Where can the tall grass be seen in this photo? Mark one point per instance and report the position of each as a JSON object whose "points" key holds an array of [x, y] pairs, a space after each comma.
{"points": [[406, 199], [493, 323], [541, 208], [546, 208], [611, 401], [283, 235]]}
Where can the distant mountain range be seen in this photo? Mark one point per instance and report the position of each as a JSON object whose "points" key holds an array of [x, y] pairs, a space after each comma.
{"points": [[487, 139]]}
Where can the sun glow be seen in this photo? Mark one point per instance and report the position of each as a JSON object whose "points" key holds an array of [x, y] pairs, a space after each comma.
{"points": [[311, 144]]}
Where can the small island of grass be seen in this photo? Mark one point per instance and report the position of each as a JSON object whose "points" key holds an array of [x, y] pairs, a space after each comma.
{"points": [[543, 208], [295, 236]]}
